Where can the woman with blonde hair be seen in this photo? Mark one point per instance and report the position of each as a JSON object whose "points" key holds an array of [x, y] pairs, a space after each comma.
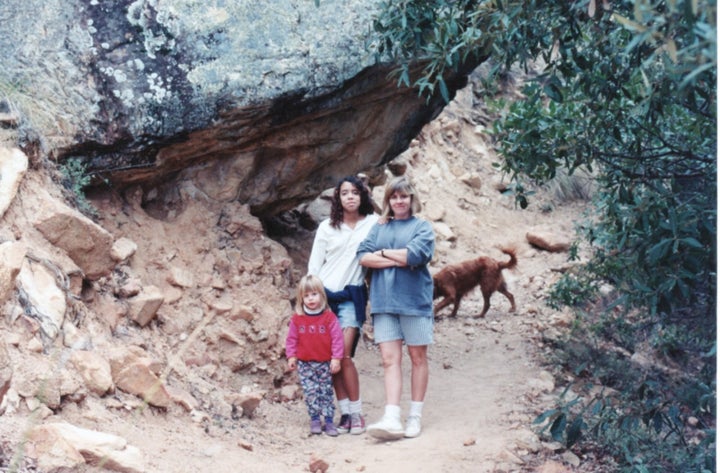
{"points": [[401, 297]]}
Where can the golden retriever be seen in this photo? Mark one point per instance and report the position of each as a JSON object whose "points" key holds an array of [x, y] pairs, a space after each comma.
{"points": [[456, 280]]}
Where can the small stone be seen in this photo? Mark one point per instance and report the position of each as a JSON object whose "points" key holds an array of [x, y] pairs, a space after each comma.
{"points": [[247, 446], [318, 465]]}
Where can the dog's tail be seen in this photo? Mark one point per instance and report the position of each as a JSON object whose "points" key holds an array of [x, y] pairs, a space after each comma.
{"points": [[510, 251]]}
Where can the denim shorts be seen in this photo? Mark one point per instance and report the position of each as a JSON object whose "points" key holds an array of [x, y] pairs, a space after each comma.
{"points": [[414, 330], [346, 315]]}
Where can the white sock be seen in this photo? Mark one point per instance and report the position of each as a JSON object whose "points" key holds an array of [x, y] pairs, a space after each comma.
{"points": [[392, 411], [344, 405], [416, 408], [356, 407]]}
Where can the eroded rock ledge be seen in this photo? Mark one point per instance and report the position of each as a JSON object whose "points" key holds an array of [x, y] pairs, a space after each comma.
{"points": [[275, 156], [265, 106]]}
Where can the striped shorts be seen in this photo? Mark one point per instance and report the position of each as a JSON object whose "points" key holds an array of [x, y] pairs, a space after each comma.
{"points": [[413, 329]]}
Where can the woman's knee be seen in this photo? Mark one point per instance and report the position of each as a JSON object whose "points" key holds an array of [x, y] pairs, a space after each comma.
{"points": [[418, 355], [391, 355]]}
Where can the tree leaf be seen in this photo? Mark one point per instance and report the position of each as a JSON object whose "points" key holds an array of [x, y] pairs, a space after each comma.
{"points": [[557, 430], [444, 90], [545, 415], [575, 431]]}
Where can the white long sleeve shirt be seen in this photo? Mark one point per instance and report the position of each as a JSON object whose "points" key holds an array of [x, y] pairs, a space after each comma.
{"points": [[333, 257]]}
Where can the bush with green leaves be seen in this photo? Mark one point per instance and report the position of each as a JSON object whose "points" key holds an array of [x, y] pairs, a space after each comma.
{"points": [[627, 94], [637, 417], [75, 178]]}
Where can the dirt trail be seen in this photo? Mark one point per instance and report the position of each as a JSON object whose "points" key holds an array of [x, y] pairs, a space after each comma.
{"points": [[483, 395], [481, 400], [486, 386]]}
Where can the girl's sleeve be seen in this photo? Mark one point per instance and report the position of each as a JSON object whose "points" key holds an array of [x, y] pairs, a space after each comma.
{"points": [[337, 342], [421, 247], [317, 254], [291, 341]]}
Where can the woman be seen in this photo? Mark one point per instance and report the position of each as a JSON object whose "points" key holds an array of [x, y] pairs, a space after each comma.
{"points": [[333, 258], [401, 296]]}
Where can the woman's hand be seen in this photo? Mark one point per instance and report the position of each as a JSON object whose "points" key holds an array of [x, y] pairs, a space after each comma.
{"points": [[334, 365], [381, 259], [398, 256], [292, 364]]}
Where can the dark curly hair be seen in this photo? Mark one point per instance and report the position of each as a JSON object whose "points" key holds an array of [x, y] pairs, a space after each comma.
{"points": [[336, 210]]}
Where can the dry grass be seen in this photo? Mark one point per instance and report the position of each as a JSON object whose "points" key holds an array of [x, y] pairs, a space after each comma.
{"points": [[47, 113], [567, 188]]}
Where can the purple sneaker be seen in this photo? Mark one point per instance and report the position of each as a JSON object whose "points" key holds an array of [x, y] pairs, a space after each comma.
{"points": [[330, 429], [315, 427]]}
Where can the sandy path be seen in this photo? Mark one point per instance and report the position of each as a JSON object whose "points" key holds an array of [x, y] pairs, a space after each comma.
{"points": [[481, 376]]}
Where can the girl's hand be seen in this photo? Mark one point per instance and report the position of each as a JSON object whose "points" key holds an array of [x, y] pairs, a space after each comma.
{"points": [[292, 364], [334, 366]]}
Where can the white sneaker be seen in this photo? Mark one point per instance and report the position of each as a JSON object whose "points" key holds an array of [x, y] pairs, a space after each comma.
{"points": [[388, 428], [412, 427]]}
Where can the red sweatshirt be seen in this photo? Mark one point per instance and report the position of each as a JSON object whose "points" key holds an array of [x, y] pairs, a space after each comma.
{"points": [[315, 337]]}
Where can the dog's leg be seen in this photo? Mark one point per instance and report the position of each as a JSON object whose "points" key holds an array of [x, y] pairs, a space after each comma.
{"points": [[457, 306], [504, 291], [442, 304], [486, 303]]}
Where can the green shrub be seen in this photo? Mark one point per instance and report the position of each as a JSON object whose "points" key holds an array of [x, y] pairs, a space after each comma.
{"points": [[642, 419], [627, 93], [75, 180]]}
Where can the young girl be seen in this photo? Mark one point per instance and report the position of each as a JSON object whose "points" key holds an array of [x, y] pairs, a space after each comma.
{"points": [[314, 346]]}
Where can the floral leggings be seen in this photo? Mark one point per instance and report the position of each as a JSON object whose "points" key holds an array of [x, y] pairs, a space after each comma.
{"points": [[316, 381]]}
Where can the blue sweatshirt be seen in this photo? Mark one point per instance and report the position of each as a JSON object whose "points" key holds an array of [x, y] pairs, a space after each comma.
{"points": [[402, 290]]}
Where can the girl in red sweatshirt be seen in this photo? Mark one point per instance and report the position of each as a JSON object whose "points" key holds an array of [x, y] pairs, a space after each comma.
{"points": [[314, 346]]}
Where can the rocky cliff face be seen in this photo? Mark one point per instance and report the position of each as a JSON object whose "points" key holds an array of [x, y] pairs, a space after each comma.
{"points": [[263, 105]]}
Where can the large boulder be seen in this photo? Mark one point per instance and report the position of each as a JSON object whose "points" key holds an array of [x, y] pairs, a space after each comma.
{"points": [[88, 244], [266, 106], [59, 446]]}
